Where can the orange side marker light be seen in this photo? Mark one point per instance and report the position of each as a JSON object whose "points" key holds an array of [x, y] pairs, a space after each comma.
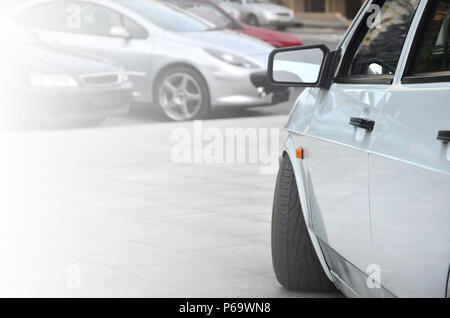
{"points": [[300, 153]]}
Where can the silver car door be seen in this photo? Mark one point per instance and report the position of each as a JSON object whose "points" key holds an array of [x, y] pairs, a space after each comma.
{"points": [[339, 136], [86, 27], [410, 165]]}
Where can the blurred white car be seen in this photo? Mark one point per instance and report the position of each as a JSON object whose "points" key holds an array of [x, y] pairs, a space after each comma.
{"points": [[176, 60], [263, 13], [42, 85]]}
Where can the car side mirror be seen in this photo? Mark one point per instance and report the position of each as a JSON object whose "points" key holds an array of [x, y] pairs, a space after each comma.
{"points": [[306, 66], [120, 32]]}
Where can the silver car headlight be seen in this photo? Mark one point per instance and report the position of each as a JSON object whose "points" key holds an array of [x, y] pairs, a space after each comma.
{"points": [[43, 80], [231, 59], [269, 15]]}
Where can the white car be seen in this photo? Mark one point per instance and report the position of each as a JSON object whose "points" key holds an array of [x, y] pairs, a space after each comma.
{"points": [[362, 199], [262, 13]]}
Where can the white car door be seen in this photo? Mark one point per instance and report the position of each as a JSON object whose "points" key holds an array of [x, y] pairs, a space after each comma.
{"points": [[87, 27], [410, 165], [339, 140]]}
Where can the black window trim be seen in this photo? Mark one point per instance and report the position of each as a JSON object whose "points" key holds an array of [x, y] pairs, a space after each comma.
{"points": [[364, 79], [427, 17], [434, 77]]}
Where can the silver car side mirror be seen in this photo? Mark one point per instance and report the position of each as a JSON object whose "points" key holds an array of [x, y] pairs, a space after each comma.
{"points": [[120, 32], [306, 66]]}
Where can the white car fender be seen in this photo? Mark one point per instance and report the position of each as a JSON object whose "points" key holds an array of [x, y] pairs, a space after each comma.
{"points": [[301, 180]]}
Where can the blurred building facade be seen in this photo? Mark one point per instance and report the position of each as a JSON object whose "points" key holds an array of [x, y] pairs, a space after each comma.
{"points": [[346, 8]]}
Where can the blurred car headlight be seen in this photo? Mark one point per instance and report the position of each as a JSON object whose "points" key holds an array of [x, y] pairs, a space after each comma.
{"points": [[231, 59], [41, 80], [269, 15]]}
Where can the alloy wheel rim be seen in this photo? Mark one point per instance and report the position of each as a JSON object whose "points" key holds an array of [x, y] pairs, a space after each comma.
{"points": [[180, 96]]}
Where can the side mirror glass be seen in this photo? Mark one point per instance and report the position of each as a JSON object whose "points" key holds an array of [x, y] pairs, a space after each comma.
{"points": [[119, 32], [299, 66]]}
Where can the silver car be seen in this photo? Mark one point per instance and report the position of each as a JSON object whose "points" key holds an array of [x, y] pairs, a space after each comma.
{"points": [[176, 61], [262, 13], [363, 195]]}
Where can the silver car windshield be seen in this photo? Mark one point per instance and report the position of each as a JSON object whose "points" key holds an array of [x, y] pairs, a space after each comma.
{"points": [[167, 16], [210, 13]]}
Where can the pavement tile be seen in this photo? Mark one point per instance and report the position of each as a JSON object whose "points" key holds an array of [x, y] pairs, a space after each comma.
{"points": [[111, 201]]}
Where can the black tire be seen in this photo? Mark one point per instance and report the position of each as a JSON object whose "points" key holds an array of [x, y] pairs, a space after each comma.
{"points": [[206, 101], [295, 262], [253, 20]]}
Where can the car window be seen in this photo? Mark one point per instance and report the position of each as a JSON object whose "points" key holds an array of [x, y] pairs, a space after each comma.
{"points": [[136, 31], [381, 42], [77, 17], [49, 16], [168, 16], [210, 13], [97, 20], [434, 47]]}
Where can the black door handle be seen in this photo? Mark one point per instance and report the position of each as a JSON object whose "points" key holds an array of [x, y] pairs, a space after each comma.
{"points": [[362, 123], [444, 135]]}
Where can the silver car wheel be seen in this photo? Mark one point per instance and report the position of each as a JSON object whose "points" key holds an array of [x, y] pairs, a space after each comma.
{"points": [[180, 97]]}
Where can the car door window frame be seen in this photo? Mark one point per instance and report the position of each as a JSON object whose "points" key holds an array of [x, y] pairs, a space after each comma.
{"points": [[351, 48], [408, 78]]}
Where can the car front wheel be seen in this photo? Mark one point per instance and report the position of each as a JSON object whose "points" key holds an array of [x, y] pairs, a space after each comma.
{"points": [[181, 94], [295, 262]]}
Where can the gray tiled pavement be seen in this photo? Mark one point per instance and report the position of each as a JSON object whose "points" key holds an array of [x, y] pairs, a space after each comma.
{"points": [[110, 202]]}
